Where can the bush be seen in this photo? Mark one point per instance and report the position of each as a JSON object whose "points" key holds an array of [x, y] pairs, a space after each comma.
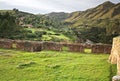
{"points": [[39, 33], [31, 35], [28, 31]]}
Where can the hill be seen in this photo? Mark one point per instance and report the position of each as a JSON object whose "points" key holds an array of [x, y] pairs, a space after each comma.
{"points": [[102, 11], [99, 24], [36, 27], [59, 16]]}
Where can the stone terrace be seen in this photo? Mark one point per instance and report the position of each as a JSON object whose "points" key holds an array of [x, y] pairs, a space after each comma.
{"points": [[33, 46]]}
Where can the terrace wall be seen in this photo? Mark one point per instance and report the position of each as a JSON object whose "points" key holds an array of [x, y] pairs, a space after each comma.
{"points": [[28, 45], [5, 43], [101, 48], [76, 47], [52, 46], [73, 47], [38, 46]]}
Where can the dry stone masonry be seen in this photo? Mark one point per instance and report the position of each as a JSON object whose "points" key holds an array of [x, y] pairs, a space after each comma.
{"points": [[33, 46], [52, 46], [5, 43], [115, 56], [76, 47], [28, 45], [101, 48]]}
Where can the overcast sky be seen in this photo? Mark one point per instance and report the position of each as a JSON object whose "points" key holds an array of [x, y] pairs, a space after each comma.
{"points": [[47, 6]]}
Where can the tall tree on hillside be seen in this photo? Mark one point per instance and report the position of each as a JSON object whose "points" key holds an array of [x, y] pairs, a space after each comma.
{"points": [[8, 25]]}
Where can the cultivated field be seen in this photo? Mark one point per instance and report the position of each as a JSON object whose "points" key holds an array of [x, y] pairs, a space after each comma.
{"points": [[54, 66]]}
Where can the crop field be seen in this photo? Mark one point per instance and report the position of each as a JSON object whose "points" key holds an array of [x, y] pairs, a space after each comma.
{"points": [[54, 66]]}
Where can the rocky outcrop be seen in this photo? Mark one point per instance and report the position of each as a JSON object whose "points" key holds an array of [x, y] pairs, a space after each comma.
{"points": [[115, 55]]}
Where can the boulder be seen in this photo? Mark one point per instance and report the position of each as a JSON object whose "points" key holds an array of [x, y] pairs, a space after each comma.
{"points": [[115, 56]]}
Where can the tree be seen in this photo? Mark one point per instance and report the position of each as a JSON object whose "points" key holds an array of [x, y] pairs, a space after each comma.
{"points": [[8, 26]]}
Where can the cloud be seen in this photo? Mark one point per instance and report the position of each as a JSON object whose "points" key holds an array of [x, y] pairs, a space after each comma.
{"points": [[46, 6]]}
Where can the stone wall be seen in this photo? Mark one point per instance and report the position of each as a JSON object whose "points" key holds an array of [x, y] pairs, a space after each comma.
{"points": [[28, 45], [88, 46], [5, 43], [21, 45], [101, 48], [38, 46], [115, 54], [73, 47], [76, 47], [52, 46]]}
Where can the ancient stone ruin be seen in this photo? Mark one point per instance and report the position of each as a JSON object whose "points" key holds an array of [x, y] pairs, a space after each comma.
{"points": [[21, 45], [52, 46], [115, 56], [33, 46], [5, 43], [101, 48], [73, 47], [76, 47]]}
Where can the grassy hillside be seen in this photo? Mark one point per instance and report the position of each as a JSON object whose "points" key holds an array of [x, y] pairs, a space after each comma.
{"points": [[54, 66], [10, 11], [102, 11], [46, 35], [36, 27], [76, 26], [104, 17], [107, 10], [58, 16]]}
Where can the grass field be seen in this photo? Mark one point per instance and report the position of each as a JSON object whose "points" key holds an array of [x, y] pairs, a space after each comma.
{"points": [[54, 66]]}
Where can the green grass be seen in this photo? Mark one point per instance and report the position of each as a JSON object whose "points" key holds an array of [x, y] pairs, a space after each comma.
{"points": [[49, 36], [54, 66], [55, 37], [3, 11], [87, 50]]}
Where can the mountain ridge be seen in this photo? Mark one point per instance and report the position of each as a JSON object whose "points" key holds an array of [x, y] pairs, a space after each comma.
{"points": [[98, 24], [106, 10]]}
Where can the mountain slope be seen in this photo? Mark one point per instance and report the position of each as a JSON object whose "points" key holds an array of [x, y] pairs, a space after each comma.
{"points": [[59, 16], [114, 12], [99, 24], [102, 11]]}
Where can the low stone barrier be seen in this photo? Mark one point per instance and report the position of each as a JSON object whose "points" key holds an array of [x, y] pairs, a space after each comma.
{"points": [[28, 45], [38, 46], [52, 46], [72, 47], [5, 43], [76, 47], [88, 46], [101, 48]]}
